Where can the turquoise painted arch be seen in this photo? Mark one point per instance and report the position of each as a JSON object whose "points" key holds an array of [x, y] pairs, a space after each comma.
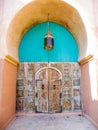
{"points": [[31, 48]]}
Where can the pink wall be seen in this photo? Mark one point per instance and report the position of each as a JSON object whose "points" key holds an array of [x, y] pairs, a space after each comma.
{"points": [[7, 92], [90, 106]]}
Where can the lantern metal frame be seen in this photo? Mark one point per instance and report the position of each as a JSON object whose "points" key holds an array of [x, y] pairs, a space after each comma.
{"points": [[48, 39]]}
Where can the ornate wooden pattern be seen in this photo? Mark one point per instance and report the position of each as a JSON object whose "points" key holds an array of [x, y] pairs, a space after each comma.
{"points": [[48, 91], [54, 86], [41, 92]]}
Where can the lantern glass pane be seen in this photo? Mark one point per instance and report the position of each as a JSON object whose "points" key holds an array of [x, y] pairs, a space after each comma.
{"points": [[48, 43]]}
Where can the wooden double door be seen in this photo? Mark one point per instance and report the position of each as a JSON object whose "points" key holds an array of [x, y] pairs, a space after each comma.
{"points": [[48, 91]]}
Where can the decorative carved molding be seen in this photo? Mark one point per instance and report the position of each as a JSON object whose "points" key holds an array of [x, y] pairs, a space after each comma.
{"points": [[11, 60], [86, 59]]}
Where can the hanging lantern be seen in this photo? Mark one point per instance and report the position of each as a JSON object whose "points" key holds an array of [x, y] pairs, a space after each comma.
{"points": [[48, 39]]}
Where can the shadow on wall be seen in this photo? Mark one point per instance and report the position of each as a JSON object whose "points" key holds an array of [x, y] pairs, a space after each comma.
{"points": [[93, 80], [89, 91], [97, 75]]}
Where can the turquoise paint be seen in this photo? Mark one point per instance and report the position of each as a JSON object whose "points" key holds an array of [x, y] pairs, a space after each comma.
{"points": [[31, 48]]}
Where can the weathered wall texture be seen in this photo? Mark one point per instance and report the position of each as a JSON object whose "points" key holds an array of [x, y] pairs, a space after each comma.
{"points": [[89, 92], [7, 93], [68, 85]]}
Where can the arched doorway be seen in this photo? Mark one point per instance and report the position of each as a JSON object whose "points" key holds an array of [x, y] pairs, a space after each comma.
{"points": [[48, 90], [14, 37], [15, 34]]}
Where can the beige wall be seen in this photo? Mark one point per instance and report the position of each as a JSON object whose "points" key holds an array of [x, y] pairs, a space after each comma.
{"points": [[95, 10], [9, 9], [7, 93]]}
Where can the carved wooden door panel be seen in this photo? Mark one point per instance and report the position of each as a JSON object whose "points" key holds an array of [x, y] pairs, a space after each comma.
{"points": [[54, 91], [48, 91], [41, 101]]}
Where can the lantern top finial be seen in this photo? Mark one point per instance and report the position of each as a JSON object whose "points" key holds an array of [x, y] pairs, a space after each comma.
{"points": [[49, 34]]}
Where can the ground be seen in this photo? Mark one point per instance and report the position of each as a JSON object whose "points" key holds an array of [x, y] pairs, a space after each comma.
{"points": [[51, 122]]}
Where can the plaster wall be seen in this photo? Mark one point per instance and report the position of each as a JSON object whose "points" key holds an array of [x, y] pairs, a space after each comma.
{"points": [[9, 10], [86, 11], [31, 48], [89, 92], [1, 62], [95, 29], [95, 7], [95, 12], [7, 93]]}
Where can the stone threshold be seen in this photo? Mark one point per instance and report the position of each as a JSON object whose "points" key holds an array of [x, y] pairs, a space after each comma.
{"points": [[79, 113]]}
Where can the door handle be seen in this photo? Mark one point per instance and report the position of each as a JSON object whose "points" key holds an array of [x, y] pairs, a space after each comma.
{"points": [[60, 95], [36, 95]]}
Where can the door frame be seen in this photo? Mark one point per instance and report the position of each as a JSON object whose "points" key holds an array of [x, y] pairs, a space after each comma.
{"points": [[41, 69]]}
